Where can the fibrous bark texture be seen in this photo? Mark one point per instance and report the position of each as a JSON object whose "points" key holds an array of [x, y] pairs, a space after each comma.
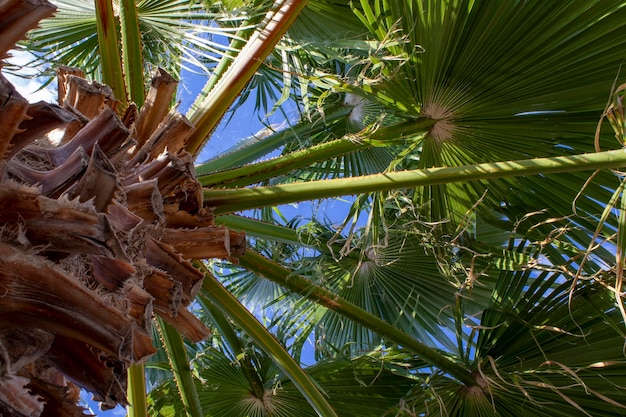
{"points": [[97, 230]]}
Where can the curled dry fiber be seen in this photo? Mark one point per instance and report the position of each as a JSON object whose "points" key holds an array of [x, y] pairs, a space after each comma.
{"points": [[97, 229]]}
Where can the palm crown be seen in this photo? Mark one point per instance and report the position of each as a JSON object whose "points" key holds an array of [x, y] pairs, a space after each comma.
{"points": [[479, 267]]}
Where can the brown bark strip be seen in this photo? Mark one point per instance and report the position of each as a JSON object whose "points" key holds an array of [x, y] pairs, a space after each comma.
{"points": [[171, 135], [144, 199], [180, 218], [165, 258], [13, 108], [57, 225], [61, 397], [16, 399], [179, 177], [106, 129], [55, 181], [63, 75], [73, 127], [187, 324], [39, 295], [100, 374], [41, 118], [156, 106], [111, 273], [87, 98], [167, 293], [19, 16], [121, 218], [176, 181], [22, 347], [140, 305], [173, 172], [130, 115], [204, 243], [99, 183], [146, 171], [237, 242]]}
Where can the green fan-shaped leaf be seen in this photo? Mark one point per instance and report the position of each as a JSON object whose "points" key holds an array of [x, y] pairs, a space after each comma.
{"points": [[401, 282], [504, 80], [173, 33], [541, 350], [365, 386]]}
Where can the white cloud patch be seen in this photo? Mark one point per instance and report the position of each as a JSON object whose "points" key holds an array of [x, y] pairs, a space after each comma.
{"points": [[29, 88]]}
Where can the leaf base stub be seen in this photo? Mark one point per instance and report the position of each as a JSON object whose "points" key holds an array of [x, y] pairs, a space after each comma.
{"points": [[97, 230]]}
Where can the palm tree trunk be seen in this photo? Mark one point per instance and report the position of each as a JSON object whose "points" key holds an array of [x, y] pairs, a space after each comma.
{"points": [[96, 233]]}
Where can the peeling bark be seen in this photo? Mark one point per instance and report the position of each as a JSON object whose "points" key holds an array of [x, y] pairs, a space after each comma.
{"points": [[52, 182], [39, 295], [13, 108], [167, 293], [187, 324], [106, 129], [19, 347], [100, 374], [40, 119], [181, 218], [87, 98], [170, 137], [111, 273], [16, 399], [139, 305], [96, 235], [156, 106], [61, 397], [58, 225], [63, 74], [165, 258], [144, 199], [99, 183], [19, 16], [122, 218], [175, 175], [206, 242]]}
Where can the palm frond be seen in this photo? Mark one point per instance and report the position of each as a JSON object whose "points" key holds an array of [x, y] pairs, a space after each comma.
{"points": [[367, 385], [172, 34], [503, 80]]}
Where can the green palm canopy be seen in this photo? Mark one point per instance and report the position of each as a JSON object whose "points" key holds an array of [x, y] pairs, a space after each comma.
{"points": [[478, 270]]}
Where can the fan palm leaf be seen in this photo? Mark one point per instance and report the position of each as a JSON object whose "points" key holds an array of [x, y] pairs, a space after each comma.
{"points": [[172, 34], [503, 81], [366, 386], [540, 350]]}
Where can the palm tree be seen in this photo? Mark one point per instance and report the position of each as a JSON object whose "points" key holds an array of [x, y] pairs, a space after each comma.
{"points": [[475, 289]]}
